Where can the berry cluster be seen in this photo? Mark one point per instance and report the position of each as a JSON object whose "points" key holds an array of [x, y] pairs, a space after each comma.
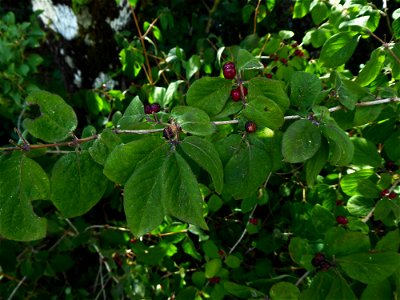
{"points": [[235, 94], [214, 280], [319, 261], [229, 70], [151, 108], [387, 193]]}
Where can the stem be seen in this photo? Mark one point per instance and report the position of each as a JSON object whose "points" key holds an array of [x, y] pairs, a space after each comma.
{"points": [[77, 141], [255, 17], [16, 288], [385, 45], [141, 37]]}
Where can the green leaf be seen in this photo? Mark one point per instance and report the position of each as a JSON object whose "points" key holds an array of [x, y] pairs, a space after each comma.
{"points": [[192, 120], [300, 251], [340, 145], [352, 184], [300, 141], [246, 171], [340, 289], [348, 92], [192, 66], [391, 146], [133, 114], [212, 267], [123, 159], [246, 61], [301, 8], [209, 94], [322, 218], [272, 89], [315, 164], [264, 112], [242, 291], [319, 12], [390, 242], [372, 68], [305, 88], [104, 145], [284, 291], [370, 268], [189, 248], [365, 153], [233, 261], [381, 290], [22, 181], [57, 119], [360, 206], [339, 48], [339, 242], [143, 199], [77, 184], [181, 194], [205, 155]]}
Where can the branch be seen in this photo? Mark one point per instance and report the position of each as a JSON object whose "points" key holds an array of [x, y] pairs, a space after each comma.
{"points": [[76, 141], [16, 288]]}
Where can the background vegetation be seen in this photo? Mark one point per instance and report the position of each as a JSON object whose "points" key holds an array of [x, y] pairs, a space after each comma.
{"points": [[152, 182]]}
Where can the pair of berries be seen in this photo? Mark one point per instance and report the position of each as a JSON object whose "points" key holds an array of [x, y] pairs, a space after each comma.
{"points": [[390, 195], [235, 94], [151, 108], [229, 70], [319, 261], [342, 220]]}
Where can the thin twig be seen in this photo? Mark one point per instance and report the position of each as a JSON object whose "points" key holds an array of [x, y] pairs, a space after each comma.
{"points": [[103, 260], [148, 73], [16, 288], [107, 227], [72, 226], [300, 280], [255, 16]]}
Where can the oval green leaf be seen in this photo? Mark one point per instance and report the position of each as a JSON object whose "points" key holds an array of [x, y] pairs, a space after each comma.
{"points": [[205, 155], [193, 120], [300, 141], [339, 48], [57, 119], [272, 89], [22, 180], [77, 184], [209, 94], [340, 145], [264, 112]]}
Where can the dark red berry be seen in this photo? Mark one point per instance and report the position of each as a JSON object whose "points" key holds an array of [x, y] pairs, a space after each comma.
{"points": [[318, 259], [269, 75], [147, 109], [284, 60], [392, 195], [133, 240], [276, 58], [253, 221], [324, 266], [250, 126], [342, 220], [235, 94], [214, 280], [294, 45], [155, 107], [385, 193], [339, 202], [391, 166], [221, 253], [229, 70], [299, 53]]}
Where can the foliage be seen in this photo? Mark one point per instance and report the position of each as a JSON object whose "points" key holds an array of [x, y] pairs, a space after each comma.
{"points": [[182, 200]]}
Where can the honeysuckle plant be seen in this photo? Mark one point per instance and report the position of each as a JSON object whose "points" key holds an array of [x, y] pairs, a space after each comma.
{"points": [[277, 173]]}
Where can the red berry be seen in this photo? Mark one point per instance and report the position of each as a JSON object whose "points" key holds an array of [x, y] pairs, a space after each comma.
{"points": [[221, 253], [342, 220], [391, 166], [269, 75], [299, 53], [214, 280], [318, 259], [235, 94], [284, 60], [155, 107], [229, 70], [385, 193], [339, 202], [147, 109], [250, 126], [294, 45], [253, 221], [392, 195]]}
